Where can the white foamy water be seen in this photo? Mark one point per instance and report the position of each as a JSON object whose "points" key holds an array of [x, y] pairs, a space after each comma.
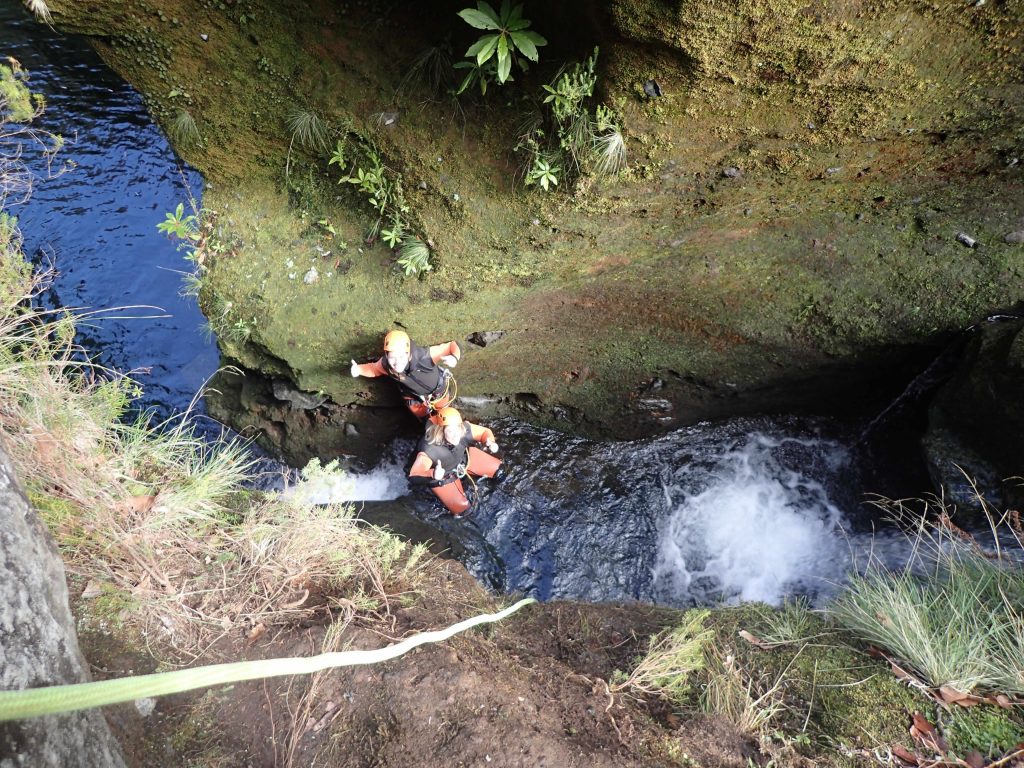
{"points": [[384, 482], [753, 526]]}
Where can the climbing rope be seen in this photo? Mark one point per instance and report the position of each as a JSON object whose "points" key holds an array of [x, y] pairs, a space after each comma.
{"points": [[35, 702]]}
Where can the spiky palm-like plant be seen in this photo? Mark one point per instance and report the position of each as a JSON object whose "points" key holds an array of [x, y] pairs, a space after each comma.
{"points": [[40, 10]]}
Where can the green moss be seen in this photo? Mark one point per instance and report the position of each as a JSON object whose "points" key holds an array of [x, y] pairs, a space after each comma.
{"points": [[815, 252], [17, 103], [832, 692], [992, 731]]}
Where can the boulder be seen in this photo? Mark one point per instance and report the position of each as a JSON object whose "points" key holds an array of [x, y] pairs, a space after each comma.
{"points": [[38, 645]]}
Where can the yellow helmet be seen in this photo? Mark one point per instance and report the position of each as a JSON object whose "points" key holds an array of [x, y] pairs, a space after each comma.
{"points": [[397, 341], [448, 417]]}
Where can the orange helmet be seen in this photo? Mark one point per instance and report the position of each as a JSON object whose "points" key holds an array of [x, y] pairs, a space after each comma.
{"points": [[397, 341], [448, 417]]}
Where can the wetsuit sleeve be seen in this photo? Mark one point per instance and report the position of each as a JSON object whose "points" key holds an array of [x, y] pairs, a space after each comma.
{"points": [[420, 473], [371, 370], [481, 434], [440, 350]]}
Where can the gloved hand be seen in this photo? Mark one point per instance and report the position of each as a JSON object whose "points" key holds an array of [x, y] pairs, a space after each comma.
{"points": [[438, 471], [355, 370], [450, 360], [492, 447]]}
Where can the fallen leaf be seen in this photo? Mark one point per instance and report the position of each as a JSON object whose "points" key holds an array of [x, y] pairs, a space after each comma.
{"points": [[755, 641], [951, 695], [922, 724], [974, 759], [92, 589], [140, 504], [1004, 701], [905, 755], [256, 632]]}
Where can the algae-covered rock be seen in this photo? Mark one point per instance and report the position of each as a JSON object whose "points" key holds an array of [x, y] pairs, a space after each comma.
{"points": [[864, 137], [38, 645]]}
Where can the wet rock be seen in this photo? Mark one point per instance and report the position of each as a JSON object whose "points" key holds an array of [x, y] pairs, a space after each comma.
{"points": [[311, 276], [38, 645], [732, 172], [833, 170], [652, 89], [351, 430], [484, 338], [976, 420], [204, 38], [299, 400], [1014, 238], [966, 240]]}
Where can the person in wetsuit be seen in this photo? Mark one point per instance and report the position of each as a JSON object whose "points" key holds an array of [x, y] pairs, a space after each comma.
{"points": [[450, 450], [426, 386]]}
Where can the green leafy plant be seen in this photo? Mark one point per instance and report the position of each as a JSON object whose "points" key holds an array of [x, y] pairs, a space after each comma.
{"points": [[507, 41], [568, 141], [179, 225], [414, 256], [543, 173]]}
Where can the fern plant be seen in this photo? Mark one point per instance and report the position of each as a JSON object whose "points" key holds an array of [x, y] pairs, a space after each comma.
{"points": [[507, 41], [414, 256]]}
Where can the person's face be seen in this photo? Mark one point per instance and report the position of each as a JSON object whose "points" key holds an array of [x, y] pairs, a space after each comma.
{"points": [[398, 359], [452, 433]]}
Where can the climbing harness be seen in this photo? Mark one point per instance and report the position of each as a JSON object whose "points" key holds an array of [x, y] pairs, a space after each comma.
{"points": [[35, 702], [447, 394]]}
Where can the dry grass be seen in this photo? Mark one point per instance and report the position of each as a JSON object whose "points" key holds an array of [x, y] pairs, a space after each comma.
{"points": [[745, 698], [157, 515]]}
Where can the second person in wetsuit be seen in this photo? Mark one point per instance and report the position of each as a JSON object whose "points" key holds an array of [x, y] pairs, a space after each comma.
{"points": [[426, 386], [449, 451]]}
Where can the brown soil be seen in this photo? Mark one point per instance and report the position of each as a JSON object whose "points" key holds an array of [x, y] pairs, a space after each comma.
{"points": [[528, 692]]}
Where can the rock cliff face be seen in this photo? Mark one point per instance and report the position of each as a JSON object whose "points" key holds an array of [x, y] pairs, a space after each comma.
{"points": [[976, 421], [38, 645], [798, 178]]}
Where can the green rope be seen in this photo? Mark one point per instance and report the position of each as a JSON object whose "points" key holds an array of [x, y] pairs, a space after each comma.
{"points": [[35, 702]]}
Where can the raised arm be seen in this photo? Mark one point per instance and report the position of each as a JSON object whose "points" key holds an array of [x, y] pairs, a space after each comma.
{"points": [[451, 351], [372, 370]]}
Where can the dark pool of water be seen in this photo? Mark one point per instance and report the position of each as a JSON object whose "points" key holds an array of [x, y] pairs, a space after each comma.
{"points": [[96, 223]]}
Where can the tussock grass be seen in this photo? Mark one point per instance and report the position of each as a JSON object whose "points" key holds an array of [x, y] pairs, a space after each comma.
{"points": [[183, 129], [745, 698], [672, 655], [609, 153], [954, 613], [40, 10], [791, 623], [308, 130], [158, 514]]}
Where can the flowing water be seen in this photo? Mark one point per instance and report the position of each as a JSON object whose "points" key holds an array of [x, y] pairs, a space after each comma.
{"points": [[751, 509]]}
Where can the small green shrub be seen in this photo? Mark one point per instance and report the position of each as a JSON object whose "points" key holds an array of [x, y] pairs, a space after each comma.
{"points": [[508, 41], [414, 256], [672, 656]]}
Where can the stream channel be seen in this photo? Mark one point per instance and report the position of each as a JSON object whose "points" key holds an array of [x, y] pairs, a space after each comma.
{"points": [[747, 509]]}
